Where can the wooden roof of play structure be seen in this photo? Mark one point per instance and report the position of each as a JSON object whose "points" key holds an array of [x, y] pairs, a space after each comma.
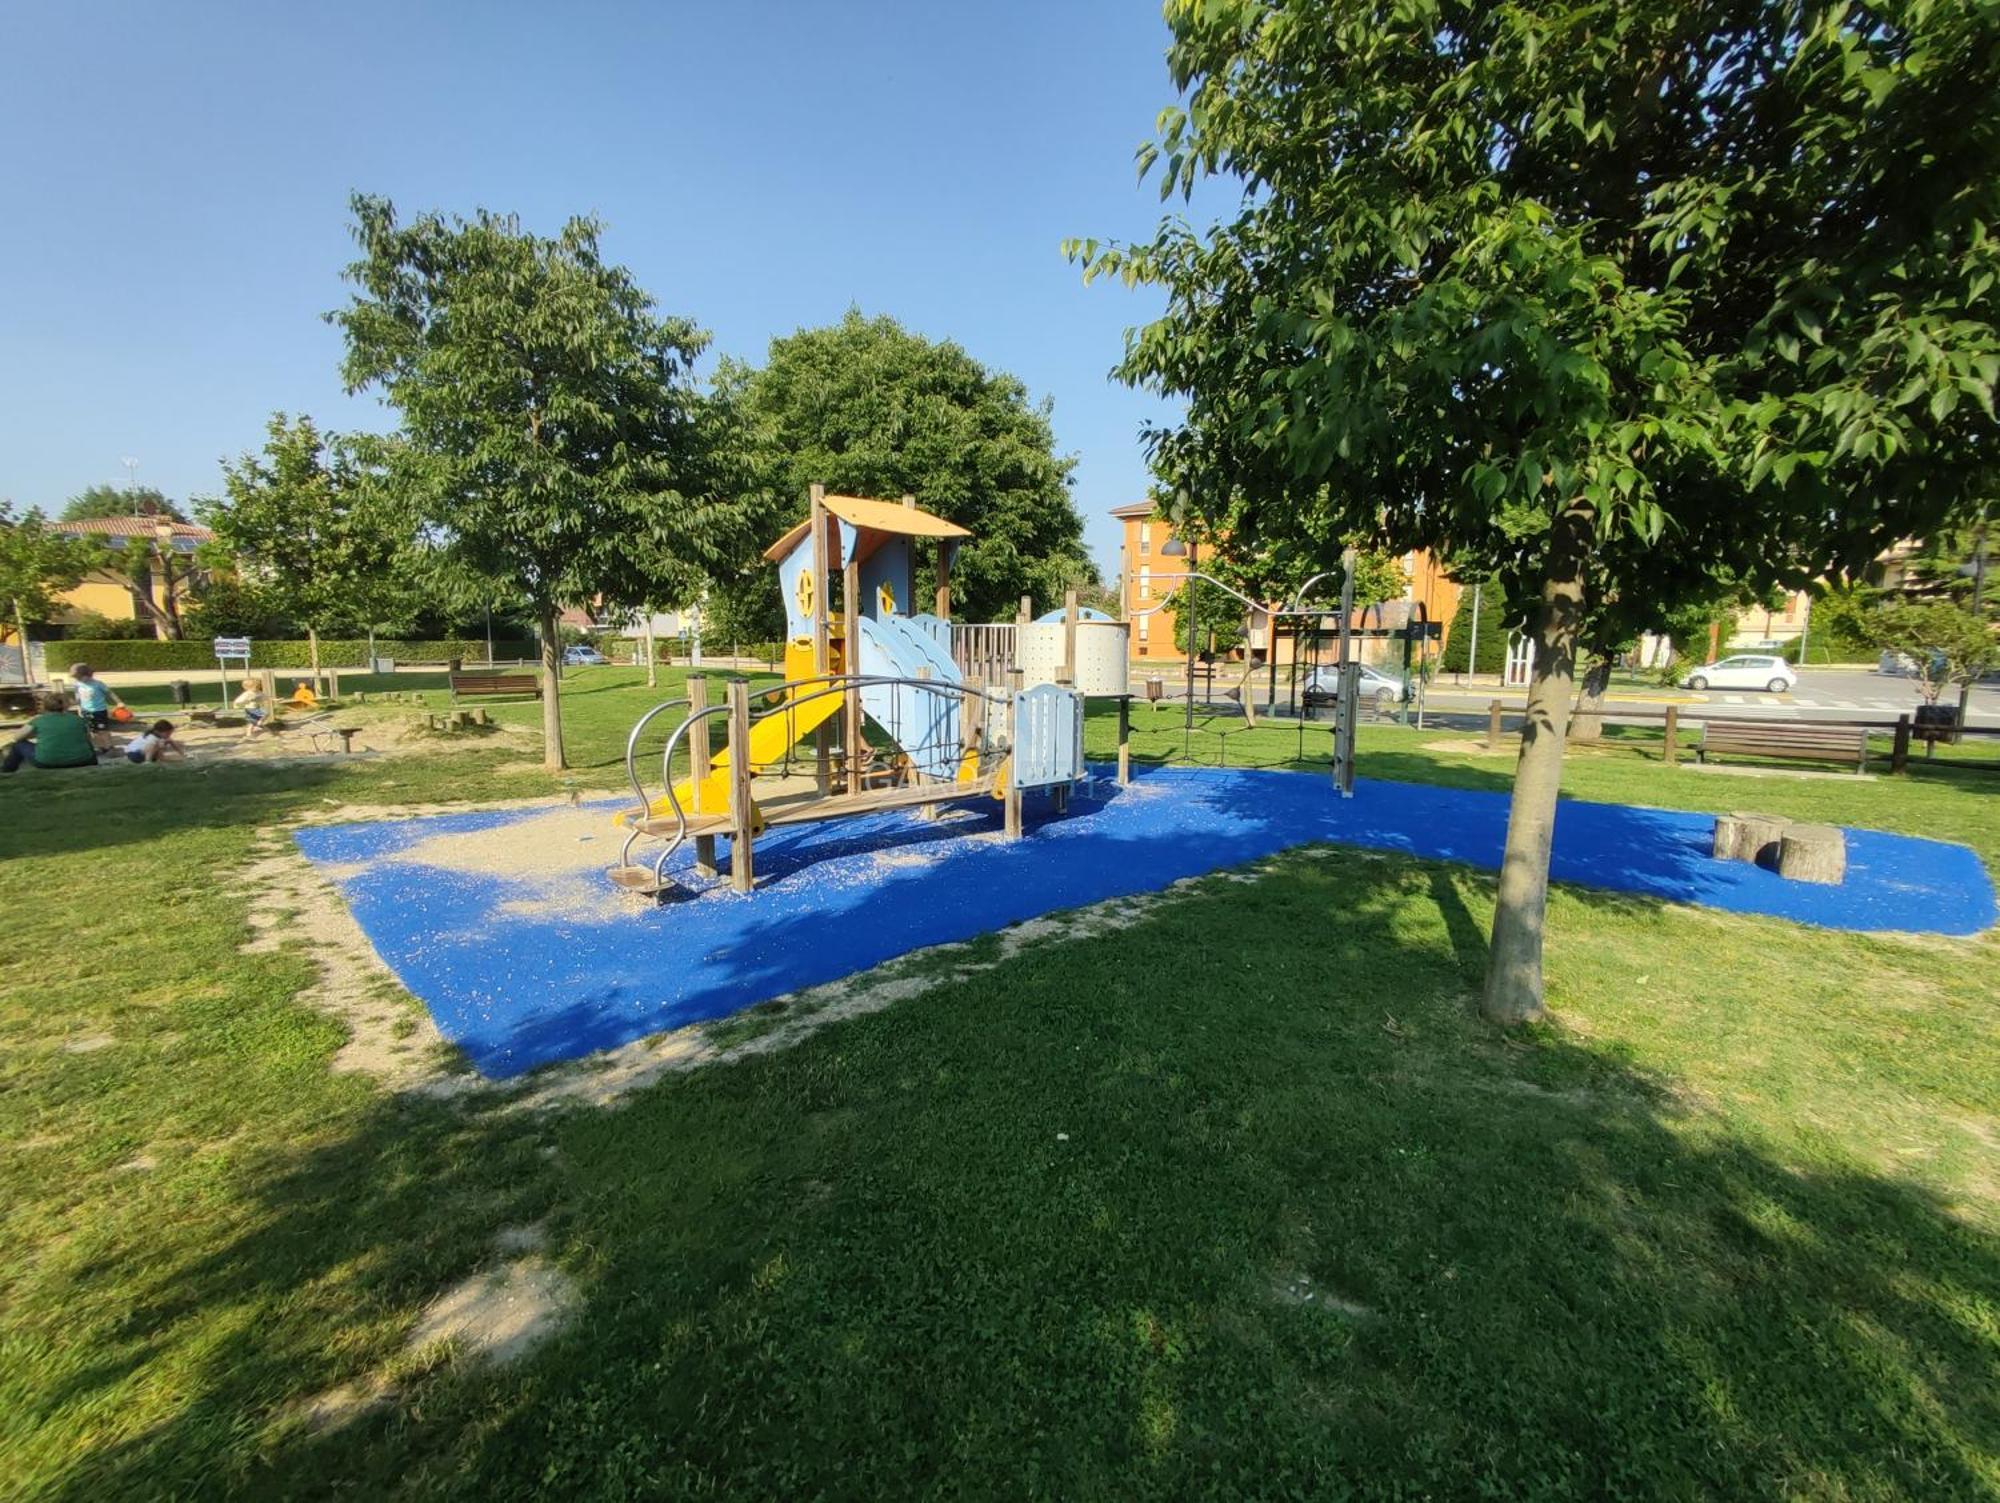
{"points": [[873, 516]]}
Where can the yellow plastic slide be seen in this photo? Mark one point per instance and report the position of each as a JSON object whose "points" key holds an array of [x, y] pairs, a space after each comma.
{"points": [[770, 738]]}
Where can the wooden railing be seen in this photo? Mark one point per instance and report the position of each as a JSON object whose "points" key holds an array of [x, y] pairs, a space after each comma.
{"points": [[984, 653]]}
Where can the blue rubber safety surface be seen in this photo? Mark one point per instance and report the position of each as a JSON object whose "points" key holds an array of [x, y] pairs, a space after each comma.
{"points": [[519, 980]]}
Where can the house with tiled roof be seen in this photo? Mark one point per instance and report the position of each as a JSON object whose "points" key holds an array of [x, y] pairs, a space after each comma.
{"points": [[151, 571]]}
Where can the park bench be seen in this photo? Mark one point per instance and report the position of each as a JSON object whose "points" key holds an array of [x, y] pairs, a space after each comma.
{"points": [[1794, 743], [495, 686]]}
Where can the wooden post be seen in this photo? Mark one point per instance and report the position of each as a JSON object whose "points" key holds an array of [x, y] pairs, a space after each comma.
{"points": [[741, 863], [1899, 758], [1670, 751], [1012, 821], [1023, 616], [930, 702], [943, 606], [332, 682], [823, 735], [1068, 675], [851, 664], [698, 769], [971, 729], [1493, 725], [1124, 740], [910, 561]]}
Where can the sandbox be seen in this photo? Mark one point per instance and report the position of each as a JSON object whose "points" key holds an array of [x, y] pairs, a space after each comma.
{"points": [[506, 926]]}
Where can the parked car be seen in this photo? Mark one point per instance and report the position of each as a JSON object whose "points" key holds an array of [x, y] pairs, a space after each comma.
{"points": [[1322, 687], [583, 657], [1902, 665], [1746, 670]]}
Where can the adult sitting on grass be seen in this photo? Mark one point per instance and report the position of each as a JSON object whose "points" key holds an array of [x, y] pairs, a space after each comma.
{"points": [[55, 738], [155, 743], [94, 700]]}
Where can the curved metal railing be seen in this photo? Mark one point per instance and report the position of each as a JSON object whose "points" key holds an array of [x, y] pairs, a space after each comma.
{"points": [[820, 686]]}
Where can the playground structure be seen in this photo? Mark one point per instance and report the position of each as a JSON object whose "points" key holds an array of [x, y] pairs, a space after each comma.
{"points": [[901, 709]]}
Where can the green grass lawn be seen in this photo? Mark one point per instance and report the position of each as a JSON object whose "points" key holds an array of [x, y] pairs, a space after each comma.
{"points": [[1237, 1199]]}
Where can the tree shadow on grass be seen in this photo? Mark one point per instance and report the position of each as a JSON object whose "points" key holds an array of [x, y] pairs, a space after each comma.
{"points": [[100, 809], [1236, 1200]]}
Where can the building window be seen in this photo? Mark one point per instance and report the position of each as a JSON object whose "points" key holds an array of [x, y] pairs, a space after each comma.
{"points": [[1145, 584], [1145, 627], [1145, 537]]}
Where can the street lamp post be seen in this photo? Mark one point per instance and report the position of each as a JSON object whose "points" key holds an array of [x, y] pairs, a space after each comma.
{"points": [[1173, 547]]}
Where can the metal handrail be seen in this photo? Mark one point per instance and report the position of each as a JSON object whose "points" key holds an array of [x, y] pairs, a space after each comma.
{"points": [[825, 684]]}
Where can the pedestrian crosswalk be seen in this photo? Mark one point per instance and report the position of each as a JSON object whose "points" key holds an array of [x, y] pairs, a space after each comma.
{"points": [[1877, 704]]}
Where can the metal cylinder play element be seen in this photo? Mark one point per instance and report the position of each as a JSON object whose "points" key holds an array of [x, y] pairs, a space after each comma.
{"points": [[1102, 655]]}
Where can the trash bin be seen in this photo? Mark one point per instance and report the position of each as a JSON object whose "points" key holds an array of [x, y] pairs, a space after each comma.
{"points": [[1153, 688], [183, 694], [456, 665], [1937, 722], [381, 665]]}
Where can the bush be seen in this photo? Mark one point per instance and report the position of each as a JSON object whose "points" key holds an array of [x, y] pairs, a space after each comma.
{"points": [[1492, 633], [118, 656]]}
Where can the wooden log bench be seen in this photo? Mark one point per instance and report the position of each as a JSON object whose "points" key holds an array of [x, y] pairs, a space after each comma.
{"points": [[1792, 743], [495, 686]]}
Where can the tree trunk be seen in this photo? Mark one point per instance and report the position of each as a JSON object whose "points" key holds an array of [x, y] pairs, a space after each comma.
{"points": [[170, 600], [652, 656], [21, 626], [1514, 964], [552, 742], [312, 655], [1587, 724]]}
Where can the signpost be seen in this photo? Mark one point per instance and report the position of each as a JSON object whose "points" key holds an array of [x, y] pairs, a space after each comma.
{"points": [[225, 649]]}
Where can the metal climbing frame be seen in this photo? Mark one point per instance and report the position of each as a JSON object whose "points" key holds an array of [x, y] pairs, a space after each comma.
{"points": [[934, 725]]}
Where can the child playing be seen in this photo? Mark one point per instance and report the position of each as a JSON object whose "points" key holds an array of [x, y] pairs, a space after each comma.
{"points": [[154, 744], [93, 702], [251, 703]]}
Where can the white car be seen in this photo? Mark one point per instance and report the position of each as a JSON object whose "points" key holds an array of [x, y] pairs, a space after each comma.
{"points": [[1747, 670], [1322, 687]]}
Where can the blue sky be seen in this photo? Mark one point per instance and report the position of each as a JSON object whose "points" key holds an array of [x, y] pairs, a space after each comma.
{"points": [[177, 177]]}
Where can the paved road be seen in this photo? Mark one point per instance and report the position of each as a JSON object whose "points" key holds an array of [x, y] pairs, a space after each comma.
{"points": [[1822, 694]]}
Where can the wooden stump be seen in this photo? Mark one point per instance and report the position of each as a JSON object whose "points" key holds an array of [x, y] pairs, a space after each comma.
{"points": [[1813, 853], [1749, 837]]}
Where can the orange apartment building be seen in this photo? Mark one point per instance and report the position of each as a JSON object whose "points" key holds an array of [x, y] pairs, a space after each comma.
{"points": [[1146, 576]]}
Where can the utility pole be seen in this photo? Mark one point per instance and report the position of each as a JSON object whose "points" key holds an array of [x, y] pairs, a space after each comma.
{"points": [[1472, 650]]}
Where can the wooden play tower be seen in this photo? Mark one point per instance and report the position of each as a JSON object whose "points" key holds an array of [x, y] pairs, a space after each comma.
{"points": [[876, 711]]}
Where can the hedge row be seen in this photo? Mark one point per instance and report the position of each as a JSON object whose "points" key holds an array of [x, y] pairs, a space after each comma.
{"points": [[130, 655]]}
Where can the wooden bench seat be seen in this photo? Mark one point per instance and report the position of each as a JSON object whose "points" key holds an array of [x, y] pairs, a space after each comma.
{"points": [[495, 686], [1793, 743]]}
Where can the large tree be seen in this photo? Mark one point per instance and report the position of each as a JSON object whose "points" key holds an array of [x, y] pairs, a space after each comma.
{"points": [[551, 442], [97, 502], [36, 565], [867, 408], [314, 533], [1604, 298]]}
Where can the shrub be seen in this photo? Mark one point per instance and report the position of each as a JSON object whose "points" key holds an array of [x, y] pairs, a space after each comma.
{"points": [[1492, 633], [116, 656]]}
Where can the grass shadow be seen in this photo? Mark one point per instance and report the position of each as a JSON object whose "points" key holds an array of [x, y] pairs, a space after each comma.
{"points": [[1274, 1218]]}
